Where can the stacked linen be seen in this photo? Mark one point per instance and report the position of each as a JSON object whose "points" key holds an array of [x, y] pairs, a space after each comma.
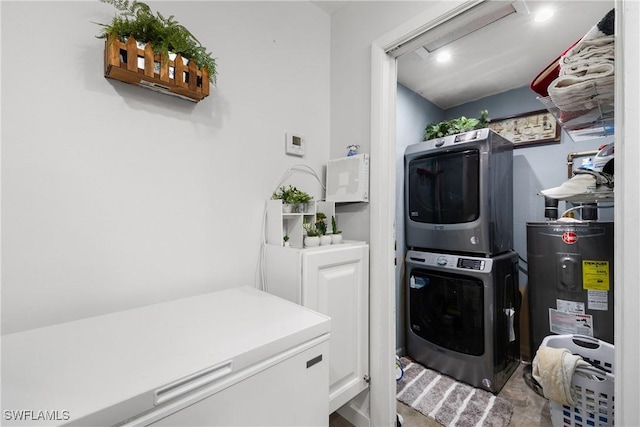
{"points": [[586, 77]]}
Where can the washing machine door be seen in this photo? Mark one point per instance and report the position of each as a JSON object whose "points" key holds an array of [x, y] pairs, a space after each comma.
{"points": [[447, 310]]}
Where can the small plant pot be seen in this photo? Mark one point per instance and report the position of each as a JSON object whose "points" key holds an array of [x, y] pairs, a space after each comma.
{"points": [[287, 208], [303, 207], [336, 238], [325, 240], [311, 241]]}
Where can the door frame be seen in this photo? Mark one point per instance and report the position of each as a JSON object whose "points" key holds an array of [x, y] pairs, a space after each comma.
{"points": [[383, 199]]}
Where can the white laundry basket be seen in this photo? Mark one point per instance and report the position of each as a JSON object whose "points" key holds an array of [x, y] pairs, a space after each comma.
{"points": [[594, 388]]}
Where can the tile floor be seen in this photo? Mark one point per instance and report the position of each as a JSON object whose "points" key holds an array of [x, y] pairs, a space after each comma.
{"points": [[529, 409]]}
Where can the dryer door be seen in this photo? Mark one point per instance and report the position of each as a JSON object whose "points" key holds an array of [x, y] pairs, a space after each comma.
{"points": [[447, 310]]}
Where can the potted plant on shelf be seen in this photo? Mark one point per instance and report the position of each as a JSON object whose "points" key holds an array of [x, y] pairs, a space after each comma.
{"points": [[286, 195], [321, 226], [336, 235], [302, 200], [454, 126], [285, 240], [311, 239], [293, 200]]}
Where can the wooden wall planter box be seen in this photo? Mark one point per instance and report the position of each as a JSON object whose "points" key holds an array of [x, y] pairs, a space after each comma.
{"points": [[121, 62]]}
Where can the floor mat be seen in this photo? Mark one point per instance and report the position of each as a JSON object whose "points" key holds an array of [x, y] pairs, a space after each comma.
{"points": [[449, 402]]}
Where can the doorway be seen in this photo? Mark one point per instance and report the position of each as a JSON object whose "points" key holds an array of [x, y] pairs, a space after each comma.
{"points": [[383, 192]]}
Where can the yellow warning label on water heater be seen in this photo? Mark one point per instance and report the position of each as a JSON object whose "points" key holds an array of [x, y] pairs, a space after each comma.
{"points": [[595, 275]]}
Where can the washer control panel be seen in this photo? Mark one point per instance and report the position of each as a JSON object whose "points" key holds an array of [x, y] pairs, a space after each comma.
{"points": [[449, 261], [471, 263]]}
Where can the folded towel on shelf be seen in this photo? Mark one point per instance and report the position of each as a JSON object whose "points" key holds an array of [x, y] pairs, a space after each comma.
{"points": [[590, 47], [584, 58], [586, 77], [591, 70], [591, 52], [573, 93], [553, 368], [589, 55]]}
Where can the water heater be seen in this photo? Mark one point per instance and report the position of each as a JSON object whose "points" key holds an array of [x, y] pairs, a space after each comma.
{"points": [[570, 279]]}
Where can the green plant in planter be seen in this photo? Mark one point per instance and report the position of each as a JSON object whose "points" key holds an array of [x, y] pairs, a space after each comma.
{"points": [[321, 226], [310, 229], [334, 226], [291, 195], [165, 34], [284, 194], [302, 197], [454, 126]]}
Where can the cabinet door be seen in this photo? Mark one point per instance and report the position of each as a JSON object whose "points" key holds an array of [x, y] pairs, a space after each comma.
{"points": [[336, 283]]}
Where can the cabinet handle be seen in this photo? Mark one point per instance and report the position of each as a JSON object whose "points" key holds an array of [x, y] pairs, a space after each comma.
{"points": [[191, 382], [313, 361]]}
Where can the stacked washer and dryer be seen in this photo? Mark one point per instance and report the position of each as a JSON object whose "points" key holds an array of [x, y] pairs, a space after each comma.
{"points": [[463, 300]]}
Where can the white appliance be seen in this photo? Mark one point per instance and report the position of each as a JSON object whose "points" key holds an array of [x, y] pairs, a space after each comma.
{"points": [[233, 357], [332, 280], [348, 179]]}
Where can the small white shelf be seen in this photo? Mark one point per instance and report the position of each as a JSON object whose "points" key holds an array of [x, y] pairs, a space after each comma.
{"points": [[280, 224]]}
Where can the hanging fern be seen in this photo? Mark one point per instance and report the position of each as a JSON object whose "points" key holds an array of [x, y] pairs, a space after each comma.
{"points": [[165, 34]]}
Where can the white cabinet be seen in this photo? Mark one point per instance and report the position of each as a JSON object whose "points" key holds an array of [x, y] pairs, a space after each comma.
{"points": [[334, 281]]}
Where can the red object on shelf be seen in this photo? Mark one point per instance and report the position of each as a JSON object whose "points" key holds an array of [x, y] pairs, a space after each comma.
{"points": [[542, 81]]}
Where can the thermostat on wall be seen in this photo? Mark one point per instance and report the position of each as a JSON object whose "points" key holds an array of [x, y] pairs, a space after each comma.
{"points": [[294, 144]]}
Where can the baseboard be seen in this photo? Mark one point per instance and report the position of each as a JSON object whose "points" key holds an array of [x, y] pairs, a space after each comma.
{"points": [[356, 411]]}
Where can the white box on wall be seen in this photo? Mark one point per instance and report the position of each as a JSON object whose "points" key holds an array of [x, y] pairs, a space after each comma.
{"points": [[348, 179]]}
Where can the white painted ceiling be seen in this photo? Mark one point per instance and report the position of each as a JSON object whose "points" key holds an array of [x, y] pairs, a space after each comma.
{"points": [[504, 55]]}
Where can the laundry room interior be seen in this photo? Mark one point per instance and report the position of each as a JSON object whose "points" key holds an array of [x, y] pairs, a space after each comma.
{"points": [[321, 224], [434, 209]]}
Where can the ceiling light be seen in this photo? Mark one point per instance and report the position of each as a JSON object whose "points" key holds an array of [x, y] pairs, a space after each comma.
{"points": [[443, 56], [543, 14]]}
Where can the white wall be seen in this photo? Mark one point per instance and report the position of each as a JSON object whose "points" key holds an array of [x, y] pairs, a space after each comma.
{"points": [[353, 28], [114, 196]]}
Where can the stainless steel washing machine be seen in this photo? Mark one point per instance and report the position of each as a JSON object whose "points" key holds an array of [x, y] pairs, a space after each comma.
{"points": [[463, 315]]}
